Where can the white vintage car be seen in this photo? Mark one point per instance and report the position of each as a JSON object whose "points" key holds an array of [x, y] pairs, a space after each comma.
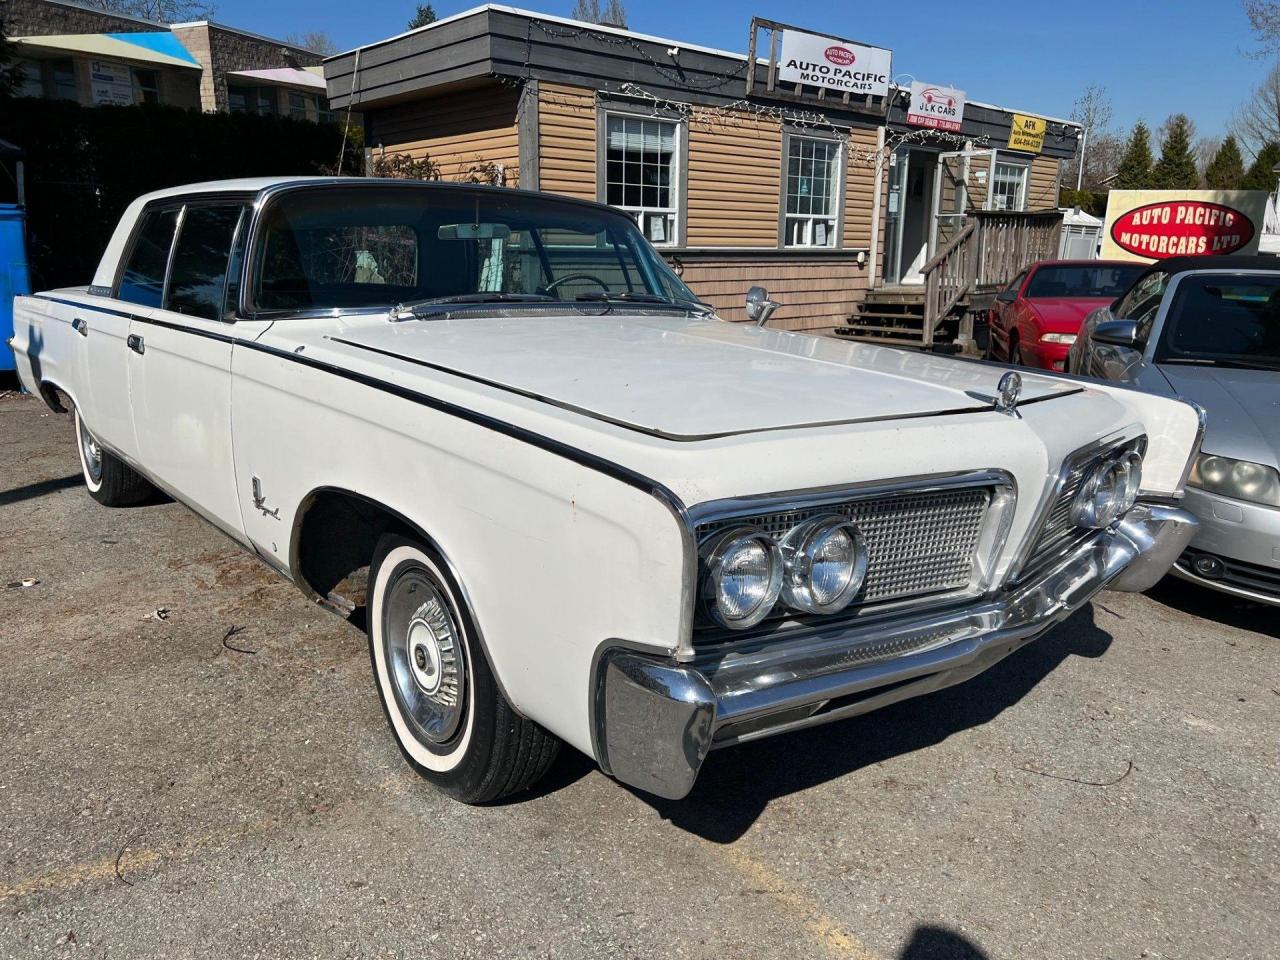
{"points": [[569, 501]]}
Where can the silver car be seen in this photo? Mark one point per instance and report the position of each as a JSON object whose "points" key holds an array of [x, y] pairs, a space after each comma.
{"points": [[1207, 329]]}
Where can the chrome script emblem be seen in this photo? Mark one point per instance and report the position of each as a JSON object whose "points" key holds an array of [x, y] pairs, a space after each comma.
{"points": [[1010, 389]]}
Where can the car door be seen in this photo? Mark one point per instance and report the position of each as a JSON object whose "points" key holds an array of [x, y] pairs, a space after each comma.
{"points": [[107, 410], [1002, 315], [180, 366]]}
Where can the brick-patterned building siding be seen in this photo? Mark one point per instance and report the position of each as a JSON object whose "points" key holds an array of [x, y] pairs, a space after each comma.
{"points": [[220, 51], [42, 18]]}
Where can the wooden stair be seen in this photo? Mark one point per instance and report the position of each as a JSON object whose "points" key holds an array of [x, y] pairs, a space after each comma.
{"points": [[892, 316]]}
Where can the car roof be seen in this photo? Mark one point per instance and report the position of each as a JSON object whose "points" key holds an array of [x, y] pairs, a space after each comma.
{"points": [[1228, 262], [1080, 262]]}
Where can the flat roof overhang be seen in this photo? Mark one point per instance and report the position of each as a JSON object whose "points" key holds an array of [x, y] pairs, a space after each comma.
{"points": [[505, 42]]}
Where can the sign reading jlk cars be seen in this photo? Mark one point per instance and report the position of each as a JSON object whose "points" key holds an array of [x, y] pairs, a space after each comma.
{"points": [[827, 62], [941, 108]]}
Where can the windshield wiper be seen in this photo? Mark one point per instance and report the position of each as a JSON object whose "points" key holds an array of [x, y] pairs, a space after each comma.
{"points": [[417, 308], [633, 297], [1221, 362]]}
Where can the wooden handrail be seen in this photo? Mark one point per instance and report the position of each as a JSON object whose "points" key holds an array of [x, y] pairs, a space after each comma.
{"points": [[947, 250]]}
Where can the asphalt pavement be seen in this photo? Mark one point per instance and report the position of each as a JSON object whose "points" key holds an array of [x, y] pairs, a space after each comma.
{"points": [[193, 763]]}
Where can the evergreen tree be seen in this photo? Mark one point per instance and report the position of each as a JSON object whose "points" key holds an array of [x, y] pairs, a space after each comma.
{"points": [[424, 15], [1134, 172], [1226, 169], [1261, 176], [10, 72], [1176, 168]]}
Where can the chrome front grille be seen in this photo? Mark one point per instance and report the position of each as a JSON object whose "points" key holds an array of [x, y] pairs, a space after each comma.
{"points": [[918, 543]]}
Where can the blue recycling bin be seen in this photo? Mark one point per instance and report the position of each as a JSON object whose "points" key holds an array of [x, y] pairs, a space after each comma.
{"points": [[15, 281]]}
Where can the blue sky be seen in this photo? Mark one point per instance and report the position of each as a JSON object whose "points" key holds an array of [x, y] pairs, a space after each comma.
{"points": [[1189, 56]]}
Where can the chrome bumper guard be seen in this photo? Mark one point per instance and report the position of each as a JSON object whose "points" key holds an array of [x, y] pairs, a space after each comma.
{"points": [[656, 719]]}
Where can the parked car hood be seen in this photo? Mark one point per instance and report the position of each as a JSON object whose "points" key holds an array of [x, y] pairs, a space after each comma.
{"points": [[687, 378], [1064, 315], [1243, 408]]}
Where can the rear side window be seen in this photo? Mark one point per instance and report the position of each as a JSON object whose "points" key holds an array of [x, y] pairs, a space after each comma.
{"points": [[142, 281], [197, 285]]}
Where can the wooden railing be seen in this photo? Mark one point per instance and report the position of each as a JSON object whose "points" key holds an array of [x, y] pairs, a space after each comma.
{"points": [[987, 253], [948, 277], [1008, 242]]}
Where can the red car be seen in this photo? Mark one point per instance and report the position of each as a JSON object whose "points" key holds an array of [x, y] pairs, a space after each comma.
{"points": [[1036, 318]]}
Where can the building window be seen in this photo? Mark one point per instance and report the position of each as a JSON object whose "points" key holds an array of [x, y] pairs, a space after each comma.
{"points": [[147, 85], [252, 100], [31, 79], [1009, 187], [62, 74], [813, 192], [298, 105], [641, 174]]}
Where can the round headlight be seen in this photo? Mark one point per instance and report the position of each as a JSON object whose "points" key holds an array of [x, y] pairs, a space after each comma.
{"points": [[826, 564], [1109, 490], [744, 572]]}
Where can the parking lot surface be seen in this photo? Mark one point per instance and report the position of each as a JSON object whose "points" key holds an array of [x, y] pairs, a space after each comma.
{"points": [[194, 764]]}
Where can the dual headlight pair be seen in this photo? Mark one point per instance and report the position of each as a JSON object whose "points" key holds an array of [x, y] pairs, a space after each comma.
{"points": [[818, 567], [1108, 491], [1238, 479]]}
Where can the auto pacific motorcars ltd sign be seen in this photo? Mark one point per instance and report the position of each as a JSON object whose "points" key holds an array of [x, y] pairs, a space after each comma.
{"points": [[941, 108], [1153, 224], [826, 62]]}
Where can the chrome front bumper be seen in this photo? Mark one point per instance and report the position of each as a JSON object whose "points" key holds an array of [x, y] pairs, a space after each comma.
{"points": [[656, 719]]}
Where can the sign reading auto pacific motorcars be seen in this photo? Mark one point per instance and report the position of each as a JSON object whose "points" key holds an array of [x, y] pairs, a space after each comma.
{"points": [[1154, 224], [941, 108], [826, 62]]}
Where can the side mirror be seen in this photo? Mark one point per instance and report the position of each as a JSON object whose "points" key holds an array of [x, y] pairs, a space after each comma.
{"points": [[1117, 333], [1007, 296], [759, 307]]}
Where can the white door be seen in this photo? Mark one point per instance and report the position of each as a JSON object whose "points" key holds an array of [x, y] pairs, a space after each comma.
{"points": [[181, 372], [950, 199], [108, 410]]}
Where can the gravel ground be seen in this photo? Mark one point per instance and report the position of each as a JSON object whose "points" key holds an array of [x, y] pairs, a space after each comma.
{"points": [[167, 790]]}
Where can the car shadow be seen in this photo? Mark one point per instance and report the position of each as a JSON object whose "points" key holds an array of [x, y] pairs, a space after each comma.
{"points": [[929, 942], [1198, 601], [41, 488], [737, 784]]}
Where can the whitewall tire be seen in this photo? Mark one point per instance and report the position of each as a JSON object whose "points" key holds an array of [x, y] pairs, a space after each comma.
{"points": [[110, 481], [445, 708]]}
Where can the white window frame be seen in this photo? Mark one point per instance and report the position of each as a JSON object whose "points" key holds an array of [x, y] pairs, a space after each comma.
{"points": [[836, 238], [675, 213], [1023, 182]]}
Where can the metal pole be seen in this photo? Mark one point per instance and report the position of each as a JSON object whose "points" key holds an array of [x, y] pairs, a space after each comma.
{"points": [[22, 184], [1084, 143]]}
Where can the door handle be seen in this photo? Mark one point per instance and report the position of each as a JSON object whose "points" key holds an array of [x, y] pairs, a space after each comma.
{"points": [[135, 343], [80, 327]]}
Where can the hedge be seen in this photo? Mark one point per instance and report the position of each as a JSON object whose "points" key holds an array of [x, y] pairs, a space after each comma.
{"points": [[85, 164]]}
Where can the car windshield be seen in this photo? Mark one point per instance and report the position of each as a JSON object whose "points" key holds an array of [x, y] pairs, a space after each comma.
{"points": [[382, 246], [1079, 280], [1224, 320]]}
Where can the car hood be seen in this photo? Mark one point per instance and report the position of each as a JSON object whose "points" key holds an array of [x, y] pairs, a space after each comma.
{"points": [[687, 378], [1062, 315], [1243, 408]]}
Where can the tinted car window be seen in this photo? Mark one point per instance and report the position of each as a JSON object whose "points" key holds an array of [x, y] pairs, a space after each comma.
{"points": [[142, 281], [200, 258], [1084, 280], [1224, 319], [1142, 302]]}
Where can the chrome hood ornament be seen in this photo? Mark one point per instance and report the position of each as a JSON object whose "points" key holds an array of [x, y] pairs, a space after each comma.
{"points": [[1010, 388]]}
